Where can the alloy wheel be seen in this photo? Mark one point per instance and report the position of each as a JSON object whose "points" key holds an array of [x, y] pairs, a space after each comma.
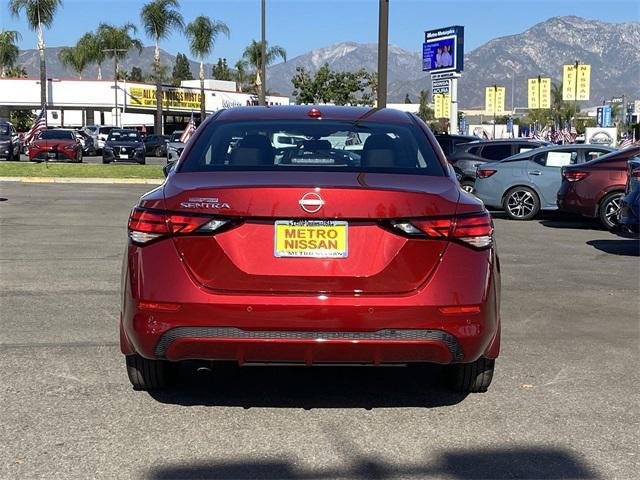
{"points": [[521, 204], [611, 210]]}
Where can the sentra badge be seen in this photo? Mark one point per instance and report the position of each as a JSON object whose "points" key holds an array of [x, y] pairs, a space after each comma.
{"points": [[204, 202]]}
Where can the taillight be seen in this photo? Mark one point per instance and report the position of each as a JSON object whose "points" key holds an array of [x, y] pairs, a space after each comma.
{"points": [[573, 175], [485, 172], [148, 225], [473, 230]]}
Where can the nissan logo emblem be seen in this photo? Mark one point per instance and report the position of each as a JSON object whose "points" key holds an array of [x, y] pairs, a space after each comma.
{"points": [[311, 202]]}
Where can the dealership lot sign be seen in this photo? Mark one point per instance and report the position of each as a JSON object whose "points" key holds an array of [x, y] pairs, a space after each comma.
{"points": [[171, 97]]}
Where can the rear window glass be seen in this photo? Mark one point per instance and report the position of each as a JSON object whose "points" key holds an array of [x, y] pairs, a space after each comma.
{"points": [[312, 145], [56, 135], [124, 136], [496, 152]]}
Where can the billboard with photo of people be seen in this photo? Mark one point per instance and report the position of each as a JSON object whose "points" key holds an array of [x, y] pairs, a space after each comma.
{"points": [[443, 50]]}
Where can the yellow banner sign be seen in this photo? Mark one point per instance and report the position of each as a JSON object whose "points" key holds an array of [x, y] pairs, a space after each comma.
{"points": [[576, 84], [442, 104], [494, 100], [171, 97], [584, 81], [539, 93]]}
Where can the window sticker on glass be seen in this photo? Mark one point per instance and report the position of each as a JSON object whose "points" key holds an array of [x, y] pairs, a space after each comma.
{"points": [[558, 159]]}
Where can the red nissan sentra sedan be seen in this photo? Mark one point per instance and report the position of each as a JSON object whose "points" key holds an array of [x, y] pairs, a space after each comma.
{"points": [[311, 235]]}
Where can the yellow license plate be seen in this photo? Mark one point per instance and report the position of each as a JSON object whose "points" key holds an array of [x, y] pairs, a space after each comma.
{"points": [[311, 238]]}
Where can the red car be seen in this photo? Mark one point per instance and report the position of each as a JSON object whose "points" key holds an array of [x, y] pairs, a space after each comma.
{"points": [[353, 244], [56, 144], [595, 188]]}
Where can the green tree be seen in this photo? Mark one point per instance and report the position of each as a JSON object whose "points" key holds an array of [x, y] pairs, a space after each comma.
{"points": [[21, 119], [181, 69], [328, 86], [118, 41], [240, 76], [93, 46], [8, 50], [17, 71], [253, 56], [407, 99], [160, 18], [136, 74], [425, 112], [221, 71], [74, 58], [39, 13], [202, 34]]}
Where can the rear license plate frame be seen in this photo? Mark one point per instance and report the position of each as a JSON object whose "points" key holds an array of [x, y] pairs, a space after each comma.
{"points": [[339, 253]]}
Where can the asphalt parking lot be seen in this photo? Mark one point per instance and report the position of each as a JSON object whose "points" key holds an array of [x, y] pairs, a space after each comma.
{"points": [[564, 402]]}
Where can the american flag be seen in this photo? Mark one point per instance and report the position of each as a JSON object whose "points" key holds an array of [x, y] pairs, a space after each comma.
{"points": [[39, 124], [627, 141], [191, 128]]}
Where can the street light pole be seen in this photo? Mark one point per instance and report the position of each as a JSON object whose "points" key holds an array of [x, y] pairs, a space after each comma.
{"points": [[262, 94], [383, 44], [114, 52]]}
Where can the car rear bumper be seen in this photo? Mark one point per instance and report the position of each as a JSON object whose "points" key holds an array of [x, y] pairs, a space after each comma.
{"points": [[191, 322], [569, 201]]}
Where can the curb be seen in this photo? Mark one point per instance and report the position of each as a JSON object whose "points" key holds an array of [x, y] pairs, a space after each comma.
{"points": [[108, 181]]}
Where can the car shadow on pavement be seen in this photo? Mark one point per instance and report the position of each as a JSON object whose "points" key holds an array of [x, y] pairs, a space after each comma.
{"points": [[316, 387], [569, 221], [629, 247], [496, 463]]}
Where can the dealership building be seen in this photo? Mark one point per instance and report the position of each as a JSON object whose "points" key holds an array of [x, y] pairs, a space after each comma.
{"points": [[75, 103]]}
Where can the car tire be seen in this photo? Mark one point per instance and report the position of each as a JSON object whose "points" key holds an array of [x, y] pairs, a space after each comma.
{"points": [[474, 377], [145, 374], [143, 161], [16, 157], [157, 152], [521, 203], [106, 162], [79, 157], [609, 208], [468, 186]]}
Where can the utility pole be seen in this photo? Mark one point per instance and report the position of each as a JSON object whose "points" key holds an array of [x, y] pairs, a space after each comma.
{"points": [[115, 52], [262, 94], [383, 44]]}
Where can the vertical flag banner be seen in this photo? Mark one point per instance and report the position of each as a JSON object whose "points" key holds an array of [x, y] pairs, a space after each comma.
{"points": [[569, 82], [494, 100], [442, 104], [545, 93], [533, 93], [499, 101], [489, 101], [584, 81]]}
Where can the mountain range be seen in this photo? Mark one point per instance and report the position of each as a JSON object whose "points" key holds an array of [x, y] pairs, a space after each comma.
{"points": [[610, 48]]}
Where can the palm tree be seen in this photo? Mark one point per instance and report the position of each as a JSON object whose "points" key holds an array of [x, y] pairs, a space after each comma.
{"points": [[116, 42], [93, 46], [202, 34], [253, 55], [74, 57], [240, 75], [8, 50], [159, 18], [39, 14]]}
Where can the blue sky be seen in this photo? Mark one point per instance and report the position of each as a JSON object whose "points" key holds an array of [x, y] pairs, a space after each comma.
{"points": [[301, 25]]}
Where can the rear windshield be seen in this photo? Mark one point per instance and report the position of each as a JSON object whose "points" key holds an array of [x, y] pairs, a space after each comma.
{"points": [[312, 145], [124, 136], [56, 135]]}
